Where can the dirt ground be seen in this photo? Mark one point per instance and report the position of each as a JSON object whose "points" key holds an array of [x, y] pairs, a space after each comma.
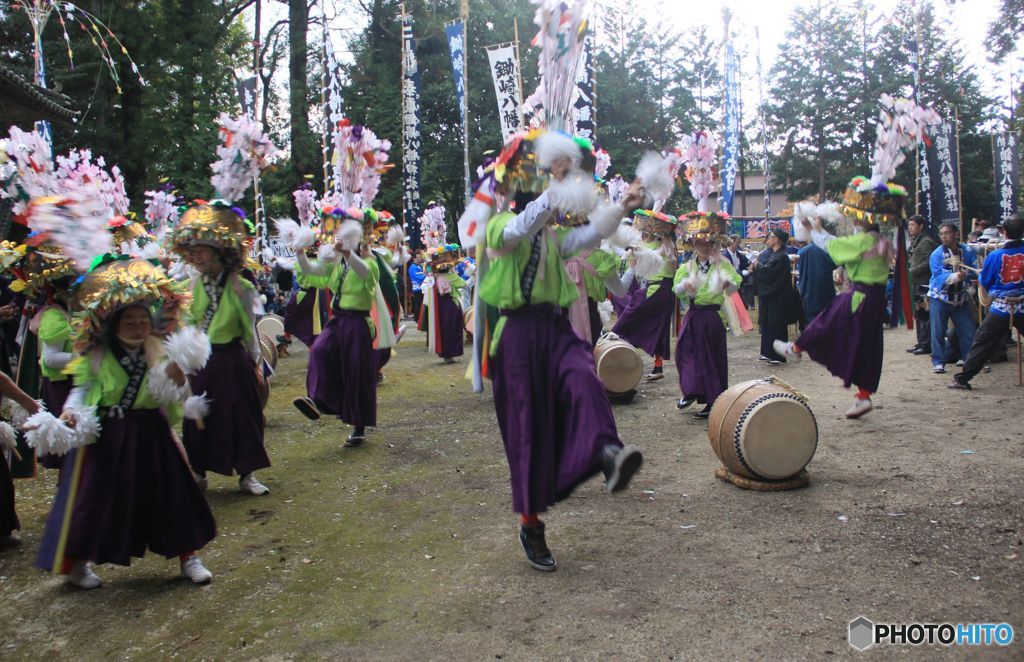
{"points": [[407, 549]]}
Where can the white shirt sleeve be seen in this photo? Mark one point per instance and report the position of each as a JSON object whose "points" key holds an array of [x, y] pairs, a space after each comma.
{"points": [[578, 239], [821, 238], [619, 286], [527, 222], [358, 266], [315, 268], [54, 356]]}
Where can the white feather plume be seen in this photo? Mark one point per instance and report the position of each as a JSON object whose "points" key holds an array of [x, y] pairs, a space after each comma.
{"points": [[626, 236], [197, 407], [653, 173], [245, 151], [574, 194], [190, 348], [648, 262], [286, 230], [552, 145], [8, 437], [350, 234]]}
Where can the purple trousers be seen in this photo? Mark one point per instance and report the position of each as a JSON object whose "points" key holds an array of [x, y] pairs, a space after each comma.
{"points": [[342, 376], [647, 321], [701, 357]]}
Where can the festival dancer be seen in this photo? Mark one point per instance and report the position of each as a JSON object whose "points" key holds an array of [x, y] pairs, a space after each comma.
{"points": [[595, 272], [646, 322], [1001, 283], [9, 523], [701, 354], [390, 253], [212, 238], [847, 336], [553, 412], [442, 304], [342, 376], [126, 486]]}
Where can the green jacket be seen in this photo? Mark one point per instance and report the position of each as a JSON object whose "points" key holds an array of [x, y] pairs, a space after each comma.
{"points": [[920, 250]]}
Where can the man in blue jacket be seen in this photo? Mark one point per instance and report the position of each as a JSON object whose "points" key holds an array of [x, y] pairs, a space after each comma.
{"points": [[949, 294]]}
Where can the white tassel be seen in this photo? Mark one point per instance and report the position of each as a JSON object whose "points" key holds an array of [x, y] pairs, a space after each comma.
{"points": [[8, 437], [350, 234], [552, 145], [574, 194], [190, 348], [648, 263], [605, 310], [653, 173], [197, 407], [48, 434], [606, 219]]}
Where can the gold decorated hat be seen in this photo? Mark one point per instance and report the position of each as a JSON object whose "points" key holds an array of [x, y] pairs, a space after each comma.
{"points": [[710, 226], [654, 222], [115, 282], [129, 231], [883, 204], [444, 257], [11, 253], [40, 266], [213, 224]]}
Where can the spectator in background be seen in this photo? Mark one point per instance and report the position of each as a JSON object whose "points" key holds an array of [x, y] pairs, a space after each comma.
{"points": [[416, 276], [817, 288], [741, 263], [780, 304], [920, 251], [949, 294]]}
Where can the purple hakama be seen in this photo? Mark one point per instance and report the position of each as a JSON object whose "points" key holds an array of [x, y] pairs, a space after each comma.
{"points": [[299, 315], [381, 357], [133, 491], [619, 303], [232, 434], [53, 395], [847, 342], [647, 321], [701, 357], [342, 377], [450, 327], [8, 517], [553, 411]]}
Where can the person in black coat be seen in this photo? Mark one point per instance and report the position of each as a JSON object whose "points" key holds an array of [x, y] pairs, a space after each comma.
{"points": [[780, 304]]}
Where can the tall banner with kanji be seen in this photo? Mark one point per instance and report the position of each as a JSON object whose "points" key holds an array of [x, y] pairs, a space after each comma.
{"points": [[731, 147], [333, 110], [505, 75], [1006, 153], [943, 161], [411, 139], [457, 47], [583, 106]]}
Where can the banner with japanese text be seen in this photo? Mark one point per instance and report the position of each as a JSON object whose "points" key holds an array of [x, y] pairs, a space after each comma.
{"points": [[505, 75], [731, 147], [583, 106], [944, 174], [411, 139], [457, 46], [1006, 153]]}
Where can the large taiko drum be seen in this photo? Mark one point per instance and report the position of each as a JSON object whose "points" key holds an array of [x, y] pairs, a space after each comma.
{"points": [[268, 350], [272, 325], [762, 430], [468, 318], [618, 364]]}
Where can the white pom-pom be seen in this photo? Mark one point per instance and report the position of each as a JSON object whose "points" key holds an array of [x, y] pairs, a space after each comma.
{"points": [[350, 234], [190, 348], [162, 387], [303, 239], [625, 236], [552, 145], [648, 263], [19, 414], [151, 251], [605, 310], [286, 229], [8, 437], [653, 173], [395, 235], [574, 194], [828, 211], [606, 219], [48, 435], [197, 407], [326, 252], [86, 425]]}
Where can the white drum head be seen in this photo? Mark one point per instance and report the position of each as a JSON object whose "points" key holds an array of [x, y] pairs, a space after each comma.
{"points": [[619, 366], [272, 325], [777, 436]]}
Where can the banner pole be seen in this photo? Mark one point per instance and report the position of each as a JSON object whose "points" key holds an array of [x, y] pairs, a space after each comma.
{"points": [[519, 70], [464, 14]]}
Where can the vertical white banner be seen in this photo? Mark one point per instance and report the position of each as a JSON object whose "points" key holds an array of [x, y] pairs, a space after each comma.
{"points": [[505, 75]]}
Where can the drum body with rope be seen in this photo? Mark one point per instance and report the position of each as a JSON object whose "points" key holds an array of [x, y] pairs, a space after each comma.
{"points": [[268, 350], [619, 366], [763, 430], [468, 318]]}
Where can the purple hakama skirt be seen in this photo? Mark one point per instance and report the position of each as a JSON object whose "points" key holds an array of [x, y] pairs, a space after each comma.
{"points": [[53, 395], [132, 491], [647, 321], [298, 315], [619, 303], [342, 377], [847, 342], [451, 327], [381, 358], [232, 434], [553, 411], [8, 517], [701, 357]]}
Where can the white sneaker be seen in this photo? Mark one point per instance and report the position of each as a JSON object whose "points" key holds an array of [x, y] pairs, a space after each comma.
{"points": [[194, 569], [786, 349], [401, 332], [939, 369], [859, 408], [248, 483], [82, 576], [201, 481], [960, 363]]}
